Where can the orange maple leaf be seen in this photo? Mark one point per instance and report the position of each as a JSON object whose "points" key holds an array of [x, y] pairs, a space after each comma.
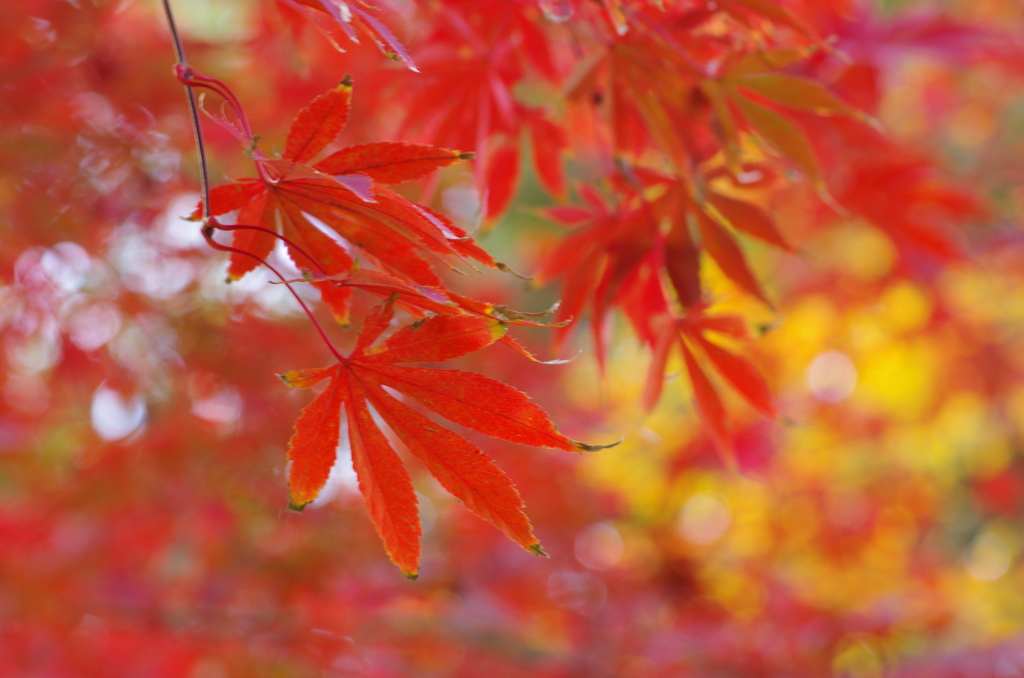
{"points": [[689, 333], [347, 192], [359, 382]]}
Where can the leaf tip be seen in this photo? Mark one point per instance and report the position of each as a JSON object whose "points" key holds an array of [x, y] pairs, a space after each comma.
{"points": [[538, 550], [561, 361], [589, 447], [508, 269]]}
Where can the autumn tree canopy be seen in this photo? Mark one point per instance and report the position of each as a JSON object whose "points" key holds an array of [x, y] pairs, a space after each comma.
{"points": [[346, 308]]}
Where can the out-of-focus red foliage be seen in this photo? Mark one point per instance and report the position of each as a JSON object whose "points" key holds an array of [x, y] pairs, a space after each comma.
{"points": [[791, 228]]}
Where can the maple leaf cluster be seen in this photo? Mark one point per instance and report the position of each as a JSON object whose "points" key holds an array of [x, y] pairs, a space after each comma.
{"points": [[782, 233], [295, 200], [675, 202]]}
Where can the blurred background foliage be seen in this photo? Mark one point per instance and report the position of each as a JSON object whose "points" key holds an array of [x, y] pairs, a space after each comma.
{"points": [[875, 530]]}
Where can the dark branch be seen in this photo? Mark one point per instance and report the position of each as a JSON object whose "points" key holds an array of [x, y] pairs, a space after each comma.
{"points": [[193, 110]]}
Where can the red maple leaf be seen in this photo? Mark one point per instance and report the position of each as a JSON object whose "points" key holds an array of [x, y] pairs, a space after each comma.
{"points": [[619, 257], [609, 260], [346, 192], [738, 94], [473, 61], [689, 333], [348, 16], [359, 382], [666, 72], [615, 255]]}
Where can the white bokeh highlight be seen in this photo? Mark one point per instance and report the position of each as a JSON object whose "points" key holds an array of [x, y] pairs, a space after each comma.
{"points": [[114, 416], [704, 519], [831, 376], [988, 557], [599, 546]]}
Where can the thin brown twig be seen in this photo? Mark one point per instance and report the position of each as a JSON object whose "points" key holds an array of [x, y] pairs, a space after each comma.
{"points": [[193, 110], [210, 224], [208, 234], [243, 227]]}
